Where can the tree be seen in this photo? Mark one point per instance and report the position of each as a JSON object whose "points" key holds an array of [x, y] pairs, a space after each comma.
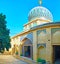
{"points": [[4, 34]]}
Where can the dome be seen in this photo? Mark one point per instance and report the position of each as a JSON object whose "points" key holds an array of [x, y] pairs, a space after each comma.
{"points": [[40, 12]]}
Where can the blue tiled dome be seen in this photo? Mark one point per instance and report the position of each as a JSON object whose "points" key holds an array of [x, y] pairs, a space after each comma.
{"points": [[39, 12]]}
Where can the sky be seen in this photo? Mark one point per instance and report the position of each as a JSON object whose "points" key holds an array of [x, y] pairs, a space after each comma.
{"points": [[16, 12]]}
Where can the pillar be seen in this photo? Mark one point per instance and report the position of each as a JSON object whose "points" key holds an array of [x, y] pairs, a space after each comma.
{"points": [[20, 49], [34, 45], [49, 51]]}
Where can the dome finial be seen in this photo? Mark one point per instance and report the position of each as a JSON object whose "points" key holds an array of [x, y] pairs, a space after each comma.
{"points": [[40, 2]]}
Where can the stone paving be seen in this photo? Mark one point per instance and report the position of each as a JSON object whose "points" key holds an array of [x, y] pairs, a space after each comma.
{"points": [[9, 59]]}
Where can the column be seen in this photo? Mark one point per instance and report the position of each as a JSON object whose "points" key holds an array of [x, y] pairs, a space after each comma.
{"points": [[23, 51], [31, 52], [49, 51], [34, 45], [20, 50]]}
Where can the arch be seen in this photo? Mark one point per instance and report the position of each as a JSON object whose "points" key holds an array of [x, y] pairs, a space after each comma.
{"points": [[42, 37], [43, 45], [28, 36], [42, 52], [27, 41], [56, 37], [26, 48]]}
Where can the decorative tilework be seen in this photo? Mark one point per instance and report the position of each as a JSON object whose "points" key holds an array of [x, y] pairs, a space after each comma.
{"points": [[29, 36], [39, 31], [53, 30], [44, 45], [39, 12]]}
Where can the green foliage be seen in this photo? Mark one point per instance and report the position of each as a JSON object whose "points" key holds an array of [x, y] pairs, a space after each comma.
{"points": [[41, 60], [17, 53], [4, 33], [21, 54]]}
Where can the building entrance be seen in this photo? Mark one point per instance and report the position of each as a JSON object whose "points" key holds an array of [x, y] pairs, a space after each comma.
{"points": [[27, 51], [56, 52]]}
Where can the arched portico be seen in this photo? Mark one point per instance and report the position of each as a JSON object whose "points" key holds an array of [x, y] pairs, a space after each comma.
{"points": [[42, 52], [27, 48]]}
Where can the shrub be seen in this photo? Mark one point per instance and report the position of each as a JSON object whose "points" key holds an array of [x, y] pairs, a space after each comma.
{"points": [[16, 53], [21, 55], [41, 60]]}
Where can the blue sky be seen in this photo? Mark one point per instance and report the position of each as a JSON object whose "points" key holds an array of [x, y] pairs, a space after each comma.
{"points": [[16, 12]]}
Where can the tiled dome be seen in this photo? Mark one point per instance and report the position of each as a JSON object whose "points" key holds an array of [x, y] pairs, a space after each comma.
{"points": [[40, 12]]}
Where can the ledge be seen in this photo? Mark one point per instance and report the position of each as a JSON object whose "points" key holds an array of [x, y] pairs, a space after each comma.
{"points": [[25, 59]]}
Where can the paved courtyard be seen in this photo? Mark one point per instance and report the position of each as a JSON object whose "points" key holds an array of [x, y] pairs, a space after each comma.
{"points": [[8, 59]]}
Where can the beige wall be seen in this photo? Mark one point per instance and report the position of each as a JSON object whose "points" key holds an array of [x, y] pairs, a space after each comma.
{"points": [[56, 37], [48, 38], [42, 52], [42, 37]]}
